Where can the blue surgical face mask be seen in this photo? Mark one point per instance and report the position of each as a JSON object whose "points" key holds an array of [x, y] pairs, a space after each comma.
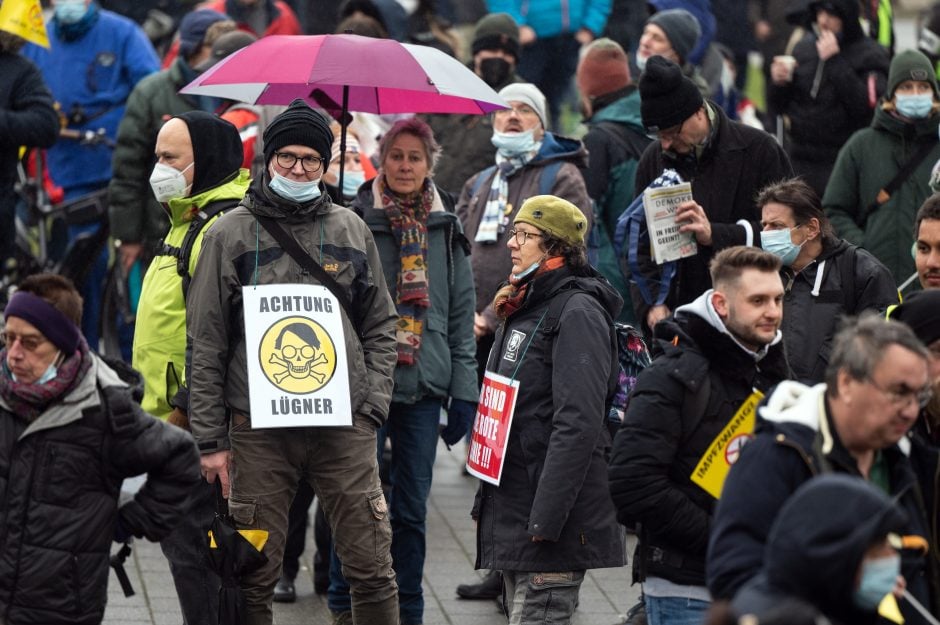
{"points": [[879, 576], [514, 143], [51, 371], [352, 180], [70, 11], [780, 244], [300, 192], [914, 106]]}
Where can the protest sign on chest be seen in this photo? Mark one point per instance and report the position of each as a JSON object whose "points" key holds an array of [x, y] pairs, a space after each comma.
{"points": [[296, 354]]}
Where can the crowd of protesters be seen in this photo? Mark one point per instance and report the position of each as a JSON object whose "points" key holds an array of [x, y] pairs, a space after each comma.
{"points": [[778, 459]]}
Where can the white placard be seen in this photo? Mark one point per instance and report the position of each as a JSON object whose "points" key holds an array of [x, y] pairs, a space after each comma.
{"points": [[297, 366]]}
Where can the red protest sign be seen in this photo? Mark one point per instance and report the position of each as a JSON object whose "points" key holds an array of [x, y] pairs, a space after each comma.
{"points": [[491, 427]]}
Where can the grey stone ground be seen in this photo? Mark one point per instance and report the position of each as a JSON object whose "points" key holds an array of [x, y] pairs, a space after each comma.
{"points": [[605, 595]]}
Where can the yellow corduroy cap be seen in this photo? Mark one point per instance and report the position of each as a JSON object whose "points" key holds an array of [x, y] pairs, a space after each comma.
{"points": [[554, 216]]}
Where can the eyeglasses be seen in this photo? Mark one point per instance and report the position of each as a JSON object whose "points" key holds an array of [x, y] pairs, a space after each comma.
{"points": [[521, 236], [29, 342], [903, 396], [290, 351], [310, 164], [669, 134], [522, 111]]}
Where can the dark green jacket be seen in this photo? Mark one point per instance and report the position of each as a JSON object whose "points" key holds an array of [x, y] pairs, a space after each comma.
{"points": [[135, 214], [868, 162]]}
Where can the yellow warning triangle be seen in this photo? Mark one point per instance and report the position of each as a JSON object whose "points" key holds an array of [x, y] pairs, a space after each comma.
{"points": [[23, 18]]}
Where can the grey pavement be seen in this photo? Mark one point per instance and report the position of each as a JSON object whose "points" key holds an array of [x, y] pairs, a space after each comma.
{"points": [[605, 597]]}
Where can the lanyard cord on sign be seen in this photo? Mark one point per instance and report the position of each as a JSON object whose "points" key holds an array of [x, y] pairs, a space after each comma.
{"points": [[531, 338]]}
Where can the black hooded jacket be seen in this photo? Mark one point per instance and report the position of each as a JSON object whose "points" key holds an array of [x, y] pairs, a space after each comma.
{"points": [[826, 105], [816, 546], [554, 481], [662, 439], [852, 281]]}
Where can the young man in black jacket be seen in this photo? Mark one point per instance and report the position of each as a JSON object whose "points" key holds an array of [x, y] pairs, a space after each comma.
{"points": [[715, 356]]}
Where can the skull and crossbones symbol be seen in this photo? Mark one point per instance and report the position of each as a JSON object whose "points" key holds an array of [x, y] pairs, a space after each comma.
{"points": [[299, 354]]}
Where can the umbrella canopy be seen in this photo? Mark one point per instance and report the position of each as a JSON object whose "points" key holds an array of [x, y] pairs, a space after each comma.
{"points": [[343, 73]]}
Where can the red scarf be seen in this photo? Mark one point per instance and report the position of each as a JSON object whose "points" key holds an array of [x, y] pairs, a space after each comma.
{"points": [[510, 299]]}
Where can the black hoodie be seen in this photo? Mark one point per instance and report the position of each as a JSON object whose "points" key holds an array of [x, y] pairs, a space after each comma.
{"points": [[816, 546]]}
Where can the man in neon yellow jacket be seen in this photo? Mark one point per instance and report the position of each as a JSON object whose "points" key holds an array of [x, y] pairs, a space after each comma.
{"points": [[197, 176]]}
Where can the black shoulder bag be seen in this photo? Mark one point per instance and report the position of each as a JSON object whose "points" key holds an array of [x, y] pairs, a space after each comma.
{"points": [[290, 245]]}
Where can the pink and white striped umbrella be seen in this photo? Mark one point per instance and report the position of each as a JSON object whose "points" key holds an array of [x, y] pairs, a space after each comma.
{"points": [[374, 75]]}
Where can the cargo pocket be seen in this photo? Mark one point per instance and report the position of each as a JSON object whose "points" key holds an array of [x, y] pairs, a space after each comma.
{"points": [[381, 528], [244, 512]]}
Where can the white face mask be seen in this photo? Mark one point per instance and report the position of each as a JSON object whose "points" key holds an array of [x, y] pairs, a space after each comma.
{"points": [[168, 183], [641, 60]]}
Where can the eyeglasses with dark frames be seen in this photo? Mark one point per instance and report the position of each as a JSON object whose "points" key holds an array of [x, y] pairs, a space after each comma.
{"points": [[521, 236], [310, 164]]}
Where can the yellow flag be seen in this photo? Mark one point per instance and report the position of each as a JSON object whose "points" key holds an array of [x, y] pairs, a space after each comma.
{"points": [[712, 469], [889, 609], [23, 18]]}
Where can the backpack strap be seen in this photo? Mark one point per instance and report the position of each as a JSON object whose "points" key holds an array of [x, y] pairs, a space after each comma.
{"points": [[556, 307], [183, 254], [847, 273], [636, 219], [308, 264], [200, 219], [548, 175], [481, 178]]}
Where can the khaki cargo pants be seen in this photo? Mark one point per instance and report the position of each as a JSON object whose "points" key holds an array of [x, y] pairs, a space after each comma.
{"points": [[340, 463]]}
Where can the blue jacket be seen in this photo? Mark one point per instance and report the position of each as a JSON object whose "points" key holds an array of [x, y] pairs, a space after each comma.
{"points": [[553, 17], [96, 72]]}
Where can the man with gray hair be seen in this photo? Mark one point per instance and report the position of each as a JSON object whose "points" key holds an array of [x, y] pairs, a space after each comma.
{"points": [[854, 423]]}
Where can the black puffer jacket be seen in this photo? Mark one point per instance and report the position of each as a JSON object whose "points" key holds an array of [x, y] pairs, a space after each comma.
{"points": [[554, 482], [662, 439], [60, 477], [811, 313], [827, 105]]}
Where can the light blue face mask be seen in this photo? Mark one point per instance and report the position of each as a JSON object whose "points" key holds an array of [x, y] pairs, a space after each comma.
{"points": [[914, 106], [51, 371], [514, 143], [352, 180], [780, 244], [879, 576], [70, 11], [300, 192]]}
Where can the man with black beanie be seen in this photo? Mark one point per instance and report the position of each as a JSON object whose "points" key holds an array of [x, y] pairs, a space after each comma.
{"points": [[259, 466], [196, 177], [727, 164]]}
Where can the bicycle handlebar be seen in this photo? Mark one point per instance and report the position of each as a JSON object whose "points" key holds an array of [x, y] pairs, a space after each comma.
{"points": [[87, 137]]}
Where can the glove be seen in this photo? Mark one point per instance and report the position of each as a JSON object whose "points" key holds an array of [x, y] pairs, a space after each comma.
{"points": [[121, 533], [460, 418]]}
